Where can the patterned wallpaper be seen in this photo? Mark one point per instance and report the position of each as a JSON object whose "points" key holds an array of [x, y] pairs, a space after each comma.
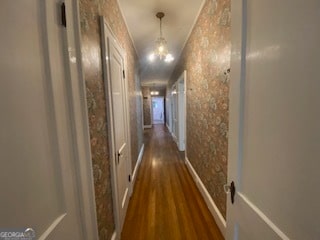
{"points": [[136, 121], [91, 59], [206, 57], [146, 106]]}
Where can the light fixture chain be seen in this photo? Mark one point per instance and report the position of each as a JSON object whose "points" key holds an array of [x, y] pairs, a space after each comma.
{"points": [[161, 27]]}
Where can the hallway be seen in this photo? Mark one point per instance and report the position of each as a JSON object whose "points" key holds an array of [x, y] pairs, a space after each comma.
{"points": [[166, 203], [239, 82]]}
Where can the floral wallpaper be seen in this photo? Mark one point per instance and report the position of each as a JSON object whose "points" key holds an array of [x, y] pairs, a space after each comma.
{"points": [[136, 121], [90, 10], [146, 106], [206, 57]]}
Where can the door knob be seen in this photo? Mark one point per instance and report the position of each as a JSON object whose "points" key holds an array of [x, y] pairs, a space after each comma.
{"points": [[230, 189]]}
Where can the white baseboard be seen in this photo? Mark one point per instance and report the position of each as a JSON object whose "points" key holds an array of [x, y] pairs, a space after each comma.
{"points": [[134, 174], [174, 137], [147, 126], [221, 222], [114, 236], [168, 127]]}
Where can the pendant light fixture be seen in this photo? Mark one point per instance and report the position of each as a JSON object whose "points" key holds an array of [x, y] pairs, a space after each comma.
{"points": [[161, 49]]}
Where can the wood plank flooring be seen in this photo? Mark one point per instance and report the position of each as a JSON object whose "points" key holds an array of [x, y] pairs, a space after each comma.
{"points": [[166, 203]]}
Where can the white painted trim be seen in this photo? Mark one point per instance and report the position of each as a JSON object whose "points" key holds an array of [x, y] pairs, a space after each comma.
{"points": [[185, 112], [127, 106], [114, 236], [168, 127], [134, 174], [79, 119], [236, 105], [142, 113], [175, 139], [124, 198], [110, 127], [168, 110], [263, 217], [106, 31], [181, 111], [52, 227], [147, 126], [221, 222]]}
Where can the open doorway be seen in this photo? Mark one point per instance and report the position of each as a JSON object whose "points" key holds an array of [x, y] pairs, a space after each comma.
{"points": [[178, 108], [158, 110]]}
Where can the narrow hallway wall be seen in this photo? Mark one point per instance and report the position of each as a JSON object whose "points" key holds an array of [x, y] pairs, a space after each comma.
{"points": [[206, 57], [146, 106], [92, 65]]}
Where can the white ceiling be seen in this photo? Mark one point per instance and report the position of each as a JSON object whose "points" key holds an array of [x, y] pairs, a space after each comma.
{"points": [[143, 26]]}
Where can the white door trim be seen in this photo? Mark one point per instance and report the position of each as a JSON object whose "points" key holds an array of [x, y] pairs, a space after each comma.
{"points": [[155, 97], [180, 133], [135, 171], [106, 31], [267, 220], [181, 110], [185, 112], [79, 120], [51, 66], [173, 91]]}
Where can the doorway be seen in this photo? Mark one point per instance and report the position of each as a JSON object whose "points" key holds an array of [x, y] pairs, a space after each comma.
{"points": [[46, 185], [158, 110], [118, 119], [178, 100]]}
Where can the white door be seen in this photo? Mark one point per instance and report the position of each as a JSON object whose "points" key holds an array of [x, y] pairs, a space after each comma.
{"points": [[38, 180], [274, 120], [168, 113], [181, 111], [175, 113], [119, 122]]}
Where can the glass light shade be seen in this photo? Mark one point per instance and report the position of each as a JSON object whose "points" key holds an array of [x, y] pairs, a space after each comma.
{"points": [[161, 49], [169, 58]]}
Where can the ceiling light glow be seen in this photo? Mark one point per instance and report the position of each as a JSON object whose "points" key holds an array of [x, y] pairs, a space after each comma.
{"points": [[169, 58], [151, 57], [161, 49]]}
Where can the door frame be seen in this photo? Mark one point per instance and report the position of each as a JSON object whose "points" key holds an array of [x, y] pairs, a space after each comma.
{"points": [[174, 114], [76, 94], [236, 101], [69, 123], [182, 110], [185, 112], [106, 31], [179, 108], [168, 111], [162, 97]]}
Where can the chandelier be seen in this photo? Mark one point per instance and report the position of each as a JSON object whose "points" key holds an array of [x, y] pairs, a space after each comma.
{"points": [[161, 49]]}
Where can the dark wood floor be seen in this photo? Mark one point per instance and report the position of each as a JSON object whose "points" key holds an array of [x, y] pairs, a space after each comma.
{"points": [[166, 203]]}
